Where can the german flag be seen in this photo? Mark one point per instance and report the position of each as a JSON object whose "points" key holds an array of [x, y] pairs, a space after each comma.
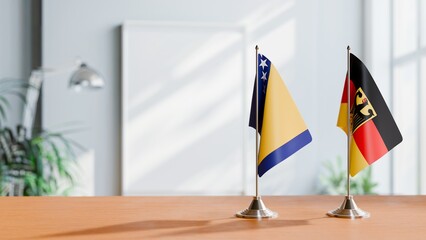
{"points": [[374, 131]]}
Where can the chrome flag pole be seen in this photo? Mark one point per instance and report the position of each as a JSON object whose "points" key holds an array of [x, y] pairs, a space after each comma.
{"points": [[257, 208], [348, 209]]}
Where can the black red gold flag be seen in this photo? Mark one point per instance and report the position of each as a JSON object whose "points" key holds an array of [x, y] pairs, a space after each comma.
{"points": [[374, 131]]}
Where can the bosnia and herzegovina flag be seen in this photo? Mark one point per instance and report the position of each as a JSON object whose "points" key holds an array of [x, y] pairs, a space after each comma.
{"points": [[282, 129], [374, 131]]}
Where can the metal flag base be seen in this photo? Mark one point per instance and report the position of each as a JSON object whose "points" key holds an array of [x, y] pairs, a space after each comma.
{"points": [[257, 209], [348, 209]]}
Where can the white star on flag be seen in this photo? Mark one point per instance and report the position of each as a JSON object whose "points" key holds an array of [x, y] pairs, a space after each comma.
{"points": [[263, 76], [263, 63]]}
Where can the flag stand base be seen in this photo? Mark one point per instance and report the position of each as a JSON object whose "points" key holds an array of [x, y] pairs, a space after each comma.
{"points": [[348, 209], [257, 209]]}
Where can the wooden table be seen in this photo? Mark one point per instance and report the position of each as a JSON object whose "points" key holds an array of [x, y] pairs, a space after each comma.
{"points": [[392, 217]]}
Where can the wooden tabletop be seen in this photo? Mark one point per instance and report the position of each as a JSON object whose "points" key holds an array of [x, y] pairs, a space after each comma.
{"points": [[392, 217]]}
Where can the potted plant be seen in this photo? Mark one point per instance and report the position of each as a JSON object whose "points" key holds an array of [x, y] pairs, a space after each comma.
{"points": [[35, 165], [334, 180]]}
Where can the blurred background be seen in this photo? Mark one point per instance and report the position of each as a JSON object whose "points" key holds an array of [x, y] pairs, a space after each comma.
{"points": [[172, 115]]}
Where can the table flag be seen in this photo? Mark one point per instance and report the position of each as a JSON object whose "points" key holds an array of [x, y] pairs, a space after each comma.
{"points": [[374, 131], [280, 125]]}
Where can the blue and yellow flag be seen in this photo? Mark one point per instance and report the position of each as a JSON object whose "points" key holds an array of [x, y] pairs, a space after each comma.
{"points": [[281, 127]]}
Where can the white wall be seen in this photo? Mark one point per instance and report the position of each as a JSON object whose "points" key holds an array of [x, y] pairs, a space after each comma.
{"points": [[399, 77], [306, 40], [340, 23], [378, 57], [15, 47]]}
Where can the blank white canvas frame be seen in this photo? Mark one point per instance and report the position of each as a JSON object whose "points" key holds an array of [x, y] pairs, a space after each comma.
{"points": [[168, 149]]}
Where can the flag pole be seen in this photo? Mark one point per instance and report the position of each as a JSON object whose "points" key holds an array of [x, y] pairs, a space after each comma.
{"points": [[349, 126], [348, 209], [257, 208], [257, 122]]}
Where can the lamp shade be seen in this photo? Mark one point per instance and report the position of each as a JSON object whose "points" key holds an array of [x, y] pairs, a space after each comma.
{"points": [[86, 77]]}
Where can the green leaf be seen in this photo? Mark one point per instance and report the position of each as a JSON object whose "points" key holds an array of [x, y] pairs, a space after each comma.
{"points": [[4, 102], [2, 113]]}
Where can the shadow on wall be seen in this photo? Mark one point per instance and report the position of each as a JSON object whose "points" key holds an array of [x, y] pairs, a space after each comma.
{"points": [[186, 104]]}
